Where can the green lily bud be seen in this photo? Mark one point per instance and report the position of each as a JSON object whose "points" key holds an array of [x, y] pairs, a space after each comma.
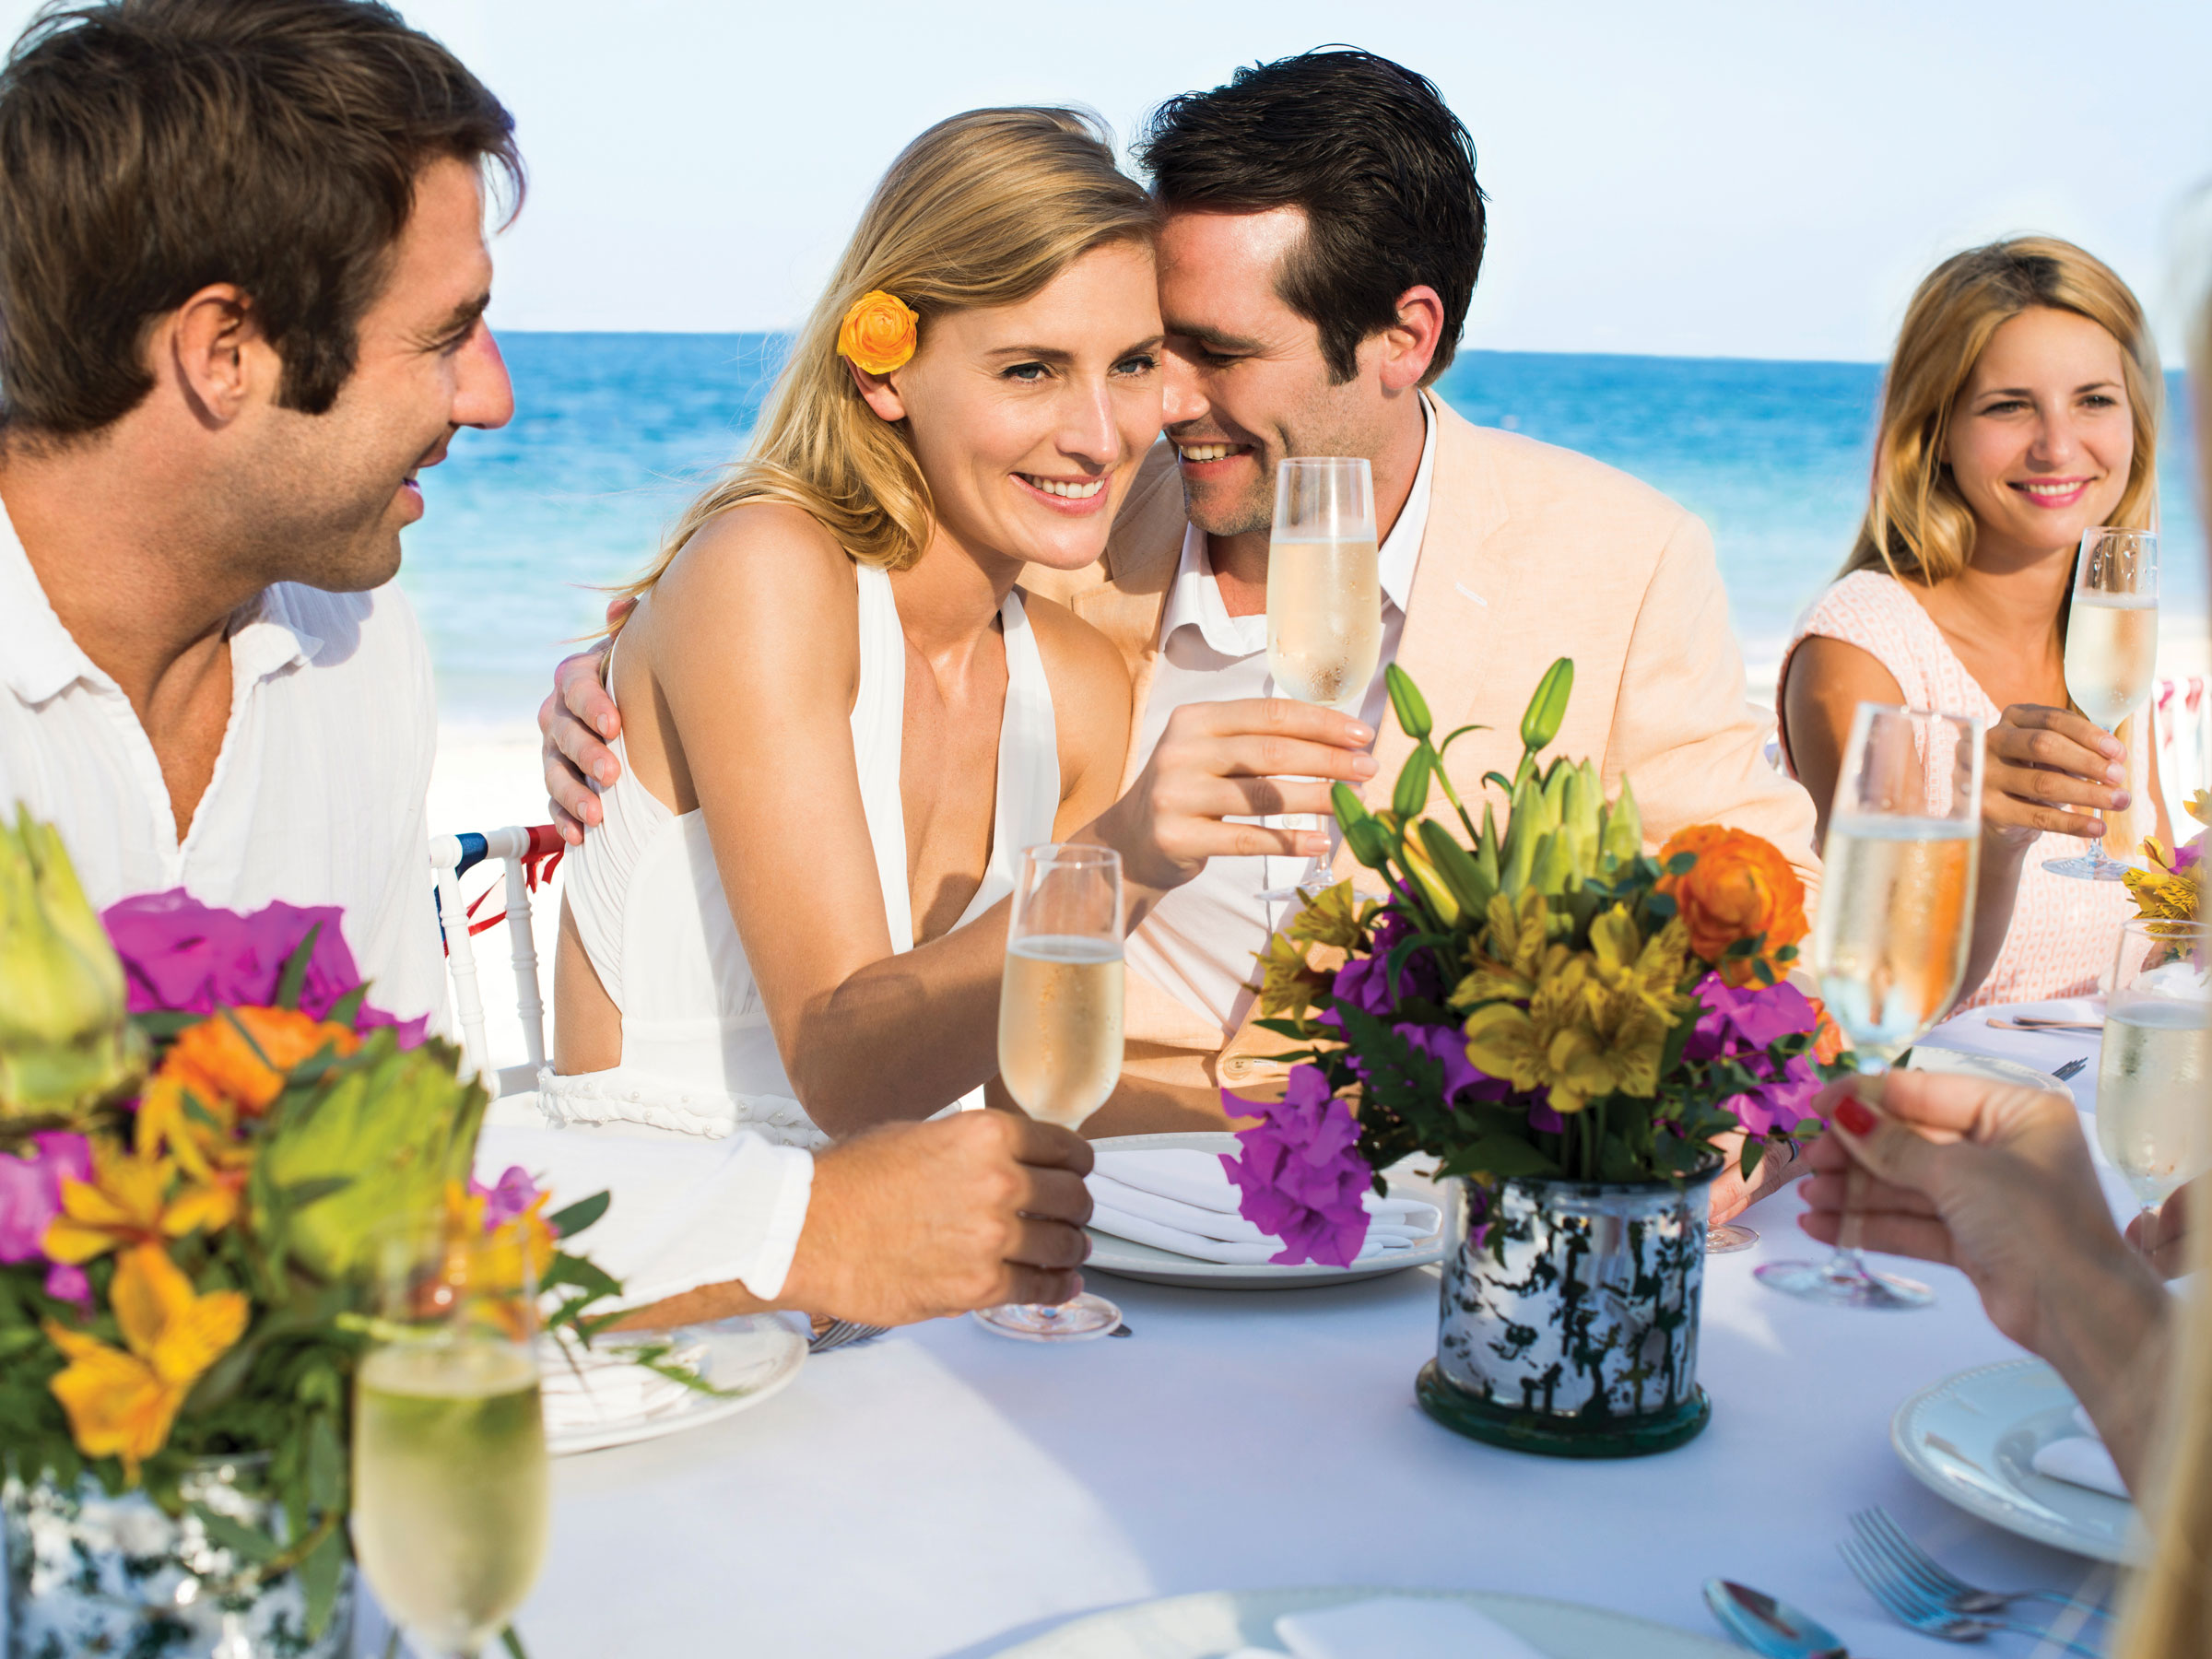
{"points": [[1623, 837], [1412, 792], [1553, 870], [1412, 854], [1485, 850], [1348, 806], [1462, 871], [65, 1043], [1407, 703], [1547, 709], [394, 1124]]}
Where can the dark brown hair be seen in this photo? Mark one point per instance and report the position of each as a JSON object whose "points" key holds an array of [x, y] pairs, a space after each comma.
{"points": [[1371, 152], [149, 147]]}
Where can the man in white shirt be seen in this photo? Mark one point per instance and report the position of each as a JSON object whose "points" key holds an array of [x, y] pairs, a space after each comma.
{"points": [[242, 284]]}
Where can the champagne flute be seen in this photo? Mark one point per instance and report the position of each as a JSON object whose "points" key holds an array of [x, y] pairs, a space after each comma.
{"points": [[1060, 1029], [1324, 601], [2111, 649], [1896, 921], [450, 1472], [2156, 1059]]}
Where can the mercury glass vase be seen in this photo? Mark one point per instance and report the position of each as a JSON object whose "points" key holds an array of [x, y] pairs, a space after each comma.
{"points": [[1569, 1320], [88, 1572]]}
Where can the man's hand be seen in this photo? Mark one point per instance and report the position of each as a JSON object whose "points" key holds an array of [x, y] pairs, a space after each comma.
{"points": [[1731, 1195], [2162, 1235], [2043, 768], [914, 1221], [1246, 757], [573, 722]]}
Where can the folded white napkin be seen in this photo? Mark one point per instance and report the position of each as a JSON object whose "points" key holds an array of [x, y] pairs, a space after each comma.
{"points": [[1399, 1627], [2081, 1460], [591, 1388], [1185, 1203]]}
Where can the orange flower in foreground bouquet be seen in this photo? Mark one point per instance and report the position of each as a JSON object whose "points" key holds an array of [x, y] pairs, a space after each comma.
{"points": [[1740, 889]]}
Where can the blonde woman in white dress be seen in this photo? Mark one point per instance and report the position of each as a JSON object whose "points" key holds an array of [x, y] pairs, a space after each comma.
{"points": [[841, 720]]}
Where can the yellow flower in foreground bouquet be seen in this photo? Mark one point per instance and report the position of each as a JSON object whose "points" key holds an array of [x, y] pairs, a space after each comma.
{"points": [[122, 1404], [131, 1200], [2172, 888]]}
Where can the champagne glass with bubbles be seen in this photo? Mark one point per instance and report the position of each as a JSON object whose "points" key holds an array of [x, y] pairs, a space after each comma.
{"points": [[451, 1480], [2111, 649], [2156, 1059], [1059, 1027], [1324, 601], [1896, 923]]}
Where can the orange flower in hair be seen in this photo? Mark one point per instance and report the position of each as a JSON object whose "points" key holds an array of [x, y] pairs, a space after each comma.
{"points": [[880, 332], [1741, 888]]}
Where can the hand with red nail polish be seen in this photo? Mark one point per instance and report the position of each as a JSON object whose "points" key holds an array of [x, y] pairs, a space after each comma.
{"points": [[1999, 1183]]}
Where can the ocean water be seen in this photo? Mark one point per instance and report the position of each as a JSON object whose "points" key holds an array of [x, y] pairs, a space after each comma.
{"points": [[613, 434]]}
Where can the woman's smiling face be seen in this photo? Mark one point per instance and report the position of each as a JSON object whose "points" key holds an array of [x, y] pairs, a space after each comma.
{"points": [[1029, 420], [2042, 438]]}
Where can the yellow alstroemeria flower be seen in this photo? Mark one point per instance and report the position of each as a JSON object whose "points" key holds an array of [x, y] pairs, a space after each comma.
{"points": [[1288, 982], [130, 1201], [1518, 952], [2199, 807], [1335, 917], [124, 1403]]}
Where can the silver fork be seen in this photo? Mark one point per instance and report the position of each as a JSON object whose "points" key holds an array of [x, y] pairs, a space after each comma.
{"points": [[1917, 1610], [842, 1332], [1888, 1541]]}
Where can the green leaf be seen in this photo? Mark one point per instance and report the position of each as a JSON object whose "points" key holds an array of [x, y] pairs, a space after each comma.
{"points": [[236, 1537], [1547, 709], [347, 1010], [1459, 870], [1755, 1150], [301, 1194], [1499, 779], [1499, 1155], [1412, 792], [293, 979], [585, 1275], [1681, 864], [319, 1575], [568, 1222], [1369, 844], [1455, 735], [1406, 701], [513, 1643], [326, 1466]]}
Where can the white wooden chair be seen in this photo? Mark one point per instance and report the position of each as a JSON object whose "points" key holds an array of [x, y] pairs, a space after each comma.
{"points": [[2180, 712], [528, 855]]}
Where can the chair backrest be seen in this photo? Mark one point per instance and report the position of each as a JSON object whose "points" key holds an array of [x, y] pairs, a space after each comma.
{"points": [[529, 854], [2181, 714]]}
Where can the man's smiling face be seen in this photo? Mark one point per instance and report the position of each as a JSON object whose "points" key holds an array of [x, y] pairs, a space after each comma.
{"points": [[1246, 381]]}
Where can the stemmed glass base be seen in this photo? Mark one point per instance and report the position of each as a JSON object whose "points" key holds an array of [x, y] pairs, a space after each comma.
{"points": [[1075, 1321], [2089, 866], [1844, 1281], [1726, 1238]]}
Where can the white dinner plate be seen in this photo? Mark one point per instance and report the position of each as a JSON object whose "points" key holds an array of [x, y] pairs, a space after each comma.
{"points": [[1204, 1627], [752, 1357], [1958, 1063], [1128, 1259], [1973, 1439]]}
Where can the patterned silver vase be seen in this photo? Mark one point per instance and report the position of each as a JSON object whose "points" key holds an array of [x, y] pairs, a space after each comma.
{"points": [[1568, 1321], [91, 1573]]}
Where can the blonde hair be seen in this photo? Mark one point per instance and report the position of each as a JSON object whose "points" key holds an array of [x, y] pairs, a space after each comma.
{"points": [[2168, 1612], [985, 208], [1917, 523]]}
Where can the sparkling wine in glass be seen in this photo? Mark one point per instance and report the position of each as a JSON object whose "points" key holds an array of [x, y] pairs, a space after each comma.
{"points": [[1324, 600], [451, 1477], [1896, 923], [2156, 1059], [2111, 649], [1059, 1027]]}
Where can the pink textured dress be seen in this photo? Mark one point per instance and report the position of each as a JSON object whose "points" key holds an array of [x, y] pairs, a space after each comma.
{"points": [[2064, 931]]}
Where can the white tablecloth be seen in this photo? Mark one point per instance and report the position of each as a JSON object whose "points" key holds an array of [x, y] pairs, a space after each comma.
{"points": [[945, 1491]]}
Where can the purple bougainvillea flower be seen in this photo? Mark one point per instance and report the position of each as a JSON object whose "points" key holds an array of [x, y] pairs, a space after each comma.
{"points": [[182, 956], [31, 1191], [1300, 1176], [2186, 855], [511, 1195], [66, 1282], [1741, 1024], [1541, 1116]]}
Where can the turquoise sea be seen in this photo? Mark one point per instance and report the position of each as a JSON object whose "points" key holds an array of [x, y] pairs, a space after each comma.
{"points": [[613, 432]]}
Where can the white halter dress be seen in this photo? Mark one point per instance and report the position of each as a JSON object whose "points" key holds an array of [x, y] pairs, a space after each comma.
{"points": [[697, 1055]]}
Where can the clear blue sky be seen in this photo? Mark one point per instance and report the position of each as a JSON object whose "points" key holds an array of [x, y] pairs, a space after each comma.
{"points": [[1746, 178]]}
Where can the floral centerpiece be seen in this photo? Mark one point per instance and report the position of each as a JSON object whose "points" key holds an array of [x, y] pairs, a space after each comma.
{"points": [[1552, 1014], [2170, 885], [201, 1122]]}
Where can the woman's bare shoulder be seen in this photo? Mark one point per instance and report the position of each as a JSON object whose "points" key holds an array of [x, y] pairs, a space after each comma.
{"points": [[1091, 692], [1072, 646], [756, 550]]}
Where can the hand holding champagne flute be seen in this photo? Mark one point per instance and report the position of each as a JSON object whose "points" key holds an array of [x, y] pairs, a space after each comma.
{"points": [[1324, 594], [450, 1471], [1060, 1027], [2111, 649], [1895, 924]]}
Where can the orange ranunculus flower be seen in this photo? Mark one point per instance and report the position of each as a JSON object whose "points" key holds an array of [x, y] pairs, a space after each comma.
{"points": [[122, 1404], [1741, 888], [880, 332], [1827, 1040]]}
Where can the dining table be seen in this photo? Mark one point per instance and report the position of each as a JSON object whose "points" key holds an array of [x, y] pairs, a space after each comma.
{"points": [[942, 1490]]}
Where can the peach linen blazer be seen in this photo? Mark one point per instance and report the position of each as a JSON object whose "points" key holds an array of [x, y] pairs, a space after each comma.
{"points": [[1531, 553]]}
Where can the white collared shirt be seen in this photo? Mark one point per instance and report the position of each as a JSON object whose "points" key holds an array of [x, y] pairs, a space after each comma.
{"points": [[317, 795], [1198, 943]]}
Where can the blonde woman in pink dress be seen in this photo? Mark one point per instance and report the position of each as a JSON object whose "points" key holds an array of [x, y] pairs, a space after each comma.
{"points": [[2021, 408]]}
